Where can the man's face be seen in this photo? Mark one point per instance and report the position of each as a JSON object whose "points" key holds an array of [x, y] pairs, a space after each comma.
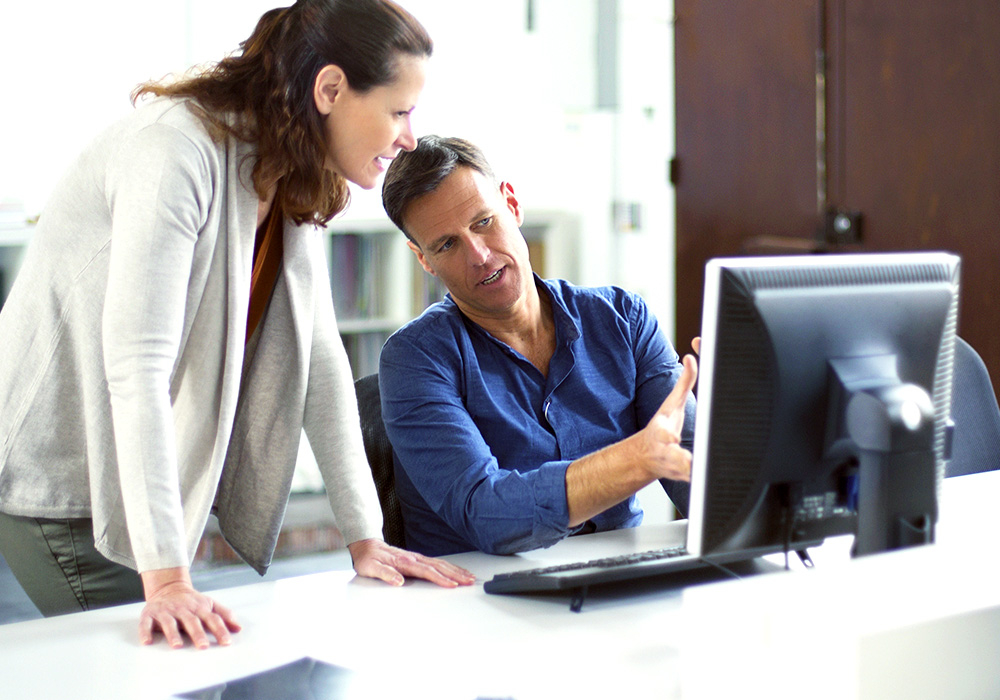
{"points": [[467, 234]]}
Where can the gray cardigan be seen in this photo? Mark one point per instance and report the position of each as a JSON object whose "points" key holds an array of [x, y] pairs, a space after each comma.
{"points": [[127, 392]]}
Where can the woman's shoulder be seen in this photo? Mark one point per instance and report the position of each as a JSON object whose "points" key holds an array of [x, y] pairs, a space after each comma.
{"points": [[168, 121], [179, 115], [164, 130]]}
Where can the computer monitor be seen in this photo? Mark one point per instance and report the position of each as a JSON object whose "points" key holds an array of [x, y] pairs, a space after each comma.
{"points": [[823, 401]]}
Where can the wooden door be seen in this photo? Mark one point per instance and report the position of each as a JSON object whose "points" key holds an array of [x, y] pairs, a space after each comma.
{"points": [[890, 108]]}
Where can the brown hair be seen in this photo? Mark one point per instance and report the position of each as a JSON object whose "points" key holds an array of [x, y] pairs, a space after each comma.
{"points": [[420, 171], [263, 93]]}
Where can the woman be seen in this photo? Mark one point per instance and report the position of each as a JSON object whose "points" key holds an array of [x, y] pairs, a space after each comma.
{"points": [[171, 331]]}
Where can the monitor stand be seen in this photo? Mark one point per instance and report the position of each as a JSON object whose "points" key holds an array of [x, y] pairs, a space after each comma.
{"points": [[890, 425]]}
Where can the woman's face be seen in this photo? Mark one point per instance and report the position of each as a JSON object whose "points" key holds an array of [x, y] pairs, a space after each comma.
{"points": [[365, 131]]}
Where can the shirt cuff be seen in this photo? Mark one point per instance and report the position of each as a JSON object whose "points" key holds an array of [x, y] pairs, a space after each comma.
{"points": [[551, 507]]}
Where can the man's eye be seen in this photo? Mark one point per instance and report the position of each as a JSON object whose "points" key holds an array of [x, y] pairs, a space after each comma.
{"points": [[446, 245], [485, 222]]}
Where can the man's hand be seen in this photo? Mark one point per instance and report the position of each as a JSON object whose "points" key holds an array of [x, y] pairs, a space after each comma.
{"points": [[667, 459], [604, 478], [174, 607], [375, 559]]}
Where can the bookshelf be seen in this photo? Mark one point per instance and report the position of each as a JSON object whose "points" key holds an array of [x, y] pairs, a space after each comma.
{"points": [[377, 286]]}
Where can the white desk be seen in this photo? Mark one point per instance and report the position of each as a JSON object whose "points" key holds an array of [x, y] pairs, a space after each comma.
{"points": [[466, 644]]}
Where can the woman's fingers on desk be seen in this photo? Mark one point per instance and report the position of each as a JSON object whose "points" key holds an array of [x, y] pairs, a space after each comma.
{"points": [[181, 612], [376, 559]]}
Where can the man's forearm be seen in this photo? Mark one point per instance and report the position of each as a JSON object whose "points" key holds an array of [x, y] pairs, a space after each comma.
{"points": [[604, 479], [607, 477]]}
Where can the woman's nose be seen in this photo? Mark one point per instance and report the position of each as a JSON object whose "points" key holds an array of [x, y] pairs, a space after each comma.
{"points": [[407, 141]]}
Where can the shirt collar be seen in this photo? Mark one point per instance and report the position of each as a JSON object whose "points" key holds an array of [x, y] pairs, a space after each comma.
{"points": [[567, 329]]}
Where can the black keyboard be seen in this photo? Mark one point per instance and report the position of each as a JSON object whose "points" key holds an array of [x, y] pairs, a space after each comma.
{"points": [[587, 573]]}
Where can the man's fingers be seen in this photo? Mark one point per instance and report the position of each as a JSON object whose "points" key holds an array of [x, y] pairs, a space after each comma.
{"points": [[690, 374], [685, 384], [680, 464]]}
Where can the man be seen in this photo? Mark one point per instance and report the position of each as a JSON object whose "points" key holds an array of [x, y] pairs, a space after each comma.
{"points": [[520, 410]]}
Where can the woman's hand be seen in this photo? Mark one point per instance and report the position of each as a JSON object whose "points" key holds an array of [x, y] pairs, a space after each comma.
{"points": [[173, 606], [376, 559]]}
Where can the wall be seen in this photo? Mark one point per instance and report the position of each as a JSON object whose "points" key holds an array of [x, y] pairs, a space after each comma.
{"points": [[490, 79], [528, 96]]}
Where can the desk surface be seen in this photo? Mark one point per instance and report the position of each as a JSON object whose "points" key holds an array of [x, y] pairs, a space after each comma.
{"points": [[440, 643]]}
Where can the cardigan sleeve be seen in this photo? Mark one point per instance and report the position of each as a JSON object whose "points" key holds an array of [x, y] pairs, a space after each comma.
{"points": [[332, 424], [156, 190]]}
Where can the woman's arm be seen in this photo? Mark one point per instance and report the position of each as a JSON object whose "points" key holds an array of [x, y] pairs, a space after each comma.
{"points": [[333, 427], [155, 195]]}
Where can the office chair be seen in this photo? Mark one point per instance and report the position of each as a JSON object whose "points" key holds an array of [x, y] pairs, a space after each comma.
{"points": [[379, 453], [975, 443]]}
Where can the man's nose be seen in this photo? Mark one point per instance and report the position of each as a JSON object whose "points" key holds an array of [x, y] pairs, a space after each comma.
{"points": [[479, 251]]}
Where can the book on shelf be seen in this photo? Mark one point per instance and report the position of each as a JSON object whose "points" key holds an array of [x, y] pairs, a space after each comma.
{"points": [[363, 350], [427, 289], [356, 269]]}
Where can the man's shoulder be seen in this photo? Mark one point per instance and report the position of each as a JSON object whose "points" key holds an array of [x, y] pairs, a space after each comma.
{"points": [[438, 315], [573, 295], [436, 326]]}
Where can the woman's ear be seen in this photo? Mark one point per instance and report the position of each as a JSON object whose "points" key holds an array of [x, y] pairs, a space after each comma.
{"points": [[330, 83]]}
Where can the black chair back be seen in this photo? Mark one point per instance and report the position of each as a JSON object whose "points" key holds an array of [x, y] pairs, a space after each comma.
{"points": [[380, 458], [976, 440]]}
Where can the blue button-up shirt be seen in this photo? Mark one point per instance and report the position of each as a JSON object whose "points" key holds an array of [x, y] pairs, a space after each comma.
{"points": [[482, 439]]}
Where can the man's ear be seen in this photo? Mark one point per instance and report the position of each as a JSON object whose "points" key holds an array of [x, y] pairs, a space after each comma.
{"points": [[420, 257], [330, 83], [507, 192]]}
